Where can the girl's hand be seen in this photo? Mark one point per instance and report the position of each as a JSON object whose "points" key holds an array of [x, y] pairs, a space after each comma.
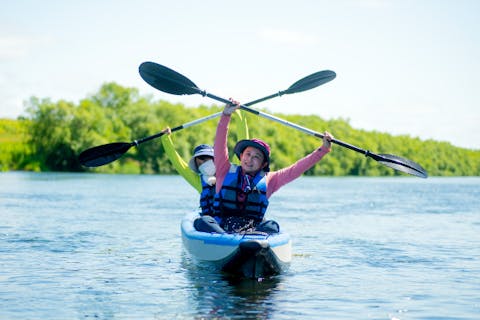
{"points": [[231, 107], [327, 140]]}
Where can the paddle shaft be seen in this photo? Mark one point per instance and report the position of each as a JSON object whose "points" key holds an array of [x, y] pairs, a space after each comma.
{"points": [[177, 128], [282, 121], [212, 116], [278, 94], [245, 107], [215, 115], [367, 153]]}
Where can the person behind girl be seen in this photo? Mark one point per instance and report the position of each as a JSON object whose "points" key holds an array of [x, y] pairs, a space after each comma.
{"points": [[200, 170]]}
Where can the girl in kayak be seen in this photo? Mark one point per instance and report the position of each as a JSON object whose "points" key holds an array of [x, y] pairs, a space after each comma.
{"points": [[242, 191]]}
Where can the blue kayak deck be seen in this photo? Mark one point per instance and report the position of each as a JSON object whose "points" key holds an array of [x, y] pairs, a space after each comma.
{"points": [[229, 239]]}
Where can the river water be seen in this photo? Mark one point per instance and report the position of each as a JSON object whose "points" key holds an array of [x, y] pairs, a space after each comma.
{"points": [[94, 246]]}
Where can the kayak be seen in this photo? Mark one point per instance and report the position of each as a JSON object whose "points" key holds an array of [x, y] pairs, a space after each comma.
{"points": [[248, 254]]}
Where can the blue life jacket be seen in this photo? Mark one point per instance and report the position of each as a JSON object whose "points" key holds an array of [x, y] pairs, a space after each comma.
{"points": [[206, 198], [255, 205]]}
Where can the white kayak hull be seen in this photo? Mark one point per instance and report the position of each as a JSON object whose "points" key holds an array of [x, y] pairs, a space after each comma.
{"points": [[251, 255]]}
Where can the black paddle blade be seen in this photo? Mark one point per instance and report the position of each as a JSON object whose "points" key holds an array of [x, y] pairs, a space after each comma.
{"points": [[402, 164], [166, 80], [100, 155], [312, 81]]}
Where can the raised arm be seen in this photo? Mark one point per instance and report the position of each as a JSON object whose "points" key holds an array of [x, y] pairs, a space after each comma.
{"points": [[277, 179], [220, 148], [179, 164]]}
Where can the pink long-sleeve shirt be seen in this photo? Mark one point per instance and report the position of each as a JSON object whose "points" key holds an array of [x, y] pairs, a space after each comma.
{"points": [[274, 179]]}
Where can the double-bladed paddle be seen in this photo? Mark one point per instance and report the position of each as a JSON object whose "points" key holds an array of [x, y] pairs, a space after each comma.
{"points": [[167, 80], [170, 81]]}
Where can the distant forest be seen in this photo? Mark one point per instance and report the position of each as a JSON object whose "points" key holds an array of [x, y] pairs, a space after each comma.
{"points": [[52, 134]]}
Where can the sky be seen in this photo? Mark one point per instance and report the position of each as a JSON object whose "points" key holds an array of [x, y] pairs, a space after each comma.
{"points": [[405, 67]]}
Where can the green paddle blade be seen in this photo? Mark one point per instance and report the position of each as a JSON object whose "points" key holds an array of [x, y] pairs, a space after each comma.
{"points": [[100, 155], [166, 80], [402, 164], [312, 81]]}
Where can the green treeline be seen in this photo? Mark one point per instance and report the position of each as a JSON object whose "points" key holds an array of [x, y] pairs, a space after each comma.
{"points": [[52, 135]]}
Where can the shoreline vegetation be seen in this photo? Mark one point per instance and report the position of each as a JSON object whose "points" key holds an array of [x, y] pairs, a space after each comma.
{"points": [[53, 133]]}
